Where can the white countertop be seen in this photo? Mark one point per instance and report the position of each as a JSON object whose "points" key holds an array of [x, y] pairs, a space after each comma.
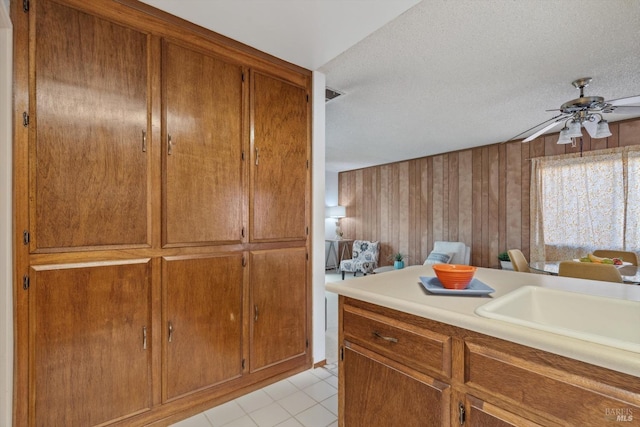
{"points": [[401, 290]]}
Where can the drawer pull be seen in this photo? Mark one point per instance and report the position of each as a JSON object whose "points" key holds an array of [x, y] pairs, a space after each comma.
{"points": [[389, 339]]}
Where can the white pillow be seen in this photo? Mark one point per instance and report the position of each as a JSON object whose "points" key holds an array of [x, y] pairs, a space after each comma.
{"points": [[438, 258]]}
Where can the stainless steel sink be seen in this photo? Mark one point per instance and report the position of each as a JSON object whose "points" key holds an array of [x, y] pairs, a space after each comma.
{"points": [[608, 321]]}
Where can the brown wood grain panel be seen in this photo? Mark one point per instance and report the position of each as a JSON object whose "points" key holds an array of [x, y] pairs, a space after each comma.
{"points": [[414, 225], [493, 226], [438, 198], [20, 23], [525, 214], [385, 207], [614, 140], [465, 200], [203, 309], [629, 133], [278, 159], [478, 196], [453, 197], [88, 321], [278, 290], [425, 214], [204, 167], [359, 198], [551, 146], [405, 209], [89, 167], [502, 200], [476, 186], [445, 197], [575, 147], [601, 143], [484, 256], [513, 219]]}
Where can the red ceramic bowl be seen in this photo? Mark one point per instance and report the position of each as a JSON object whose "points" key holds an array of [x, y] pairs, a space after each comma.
{"points": [[454, 276]]}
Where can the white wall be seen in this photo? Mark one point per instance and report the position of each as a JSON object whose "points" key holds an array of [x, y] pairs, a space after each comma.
{"points": [[331, 199], [318, 218], [6, 264]]}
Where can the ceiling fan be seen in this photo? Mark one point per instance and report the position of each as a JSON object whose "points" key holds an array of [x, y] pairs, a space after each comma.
{"points": [[584, 111]]}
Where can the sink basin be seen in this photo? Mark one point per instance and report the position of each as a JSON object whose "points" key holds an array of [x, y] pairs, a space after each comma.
{"points": [[608, 321]]}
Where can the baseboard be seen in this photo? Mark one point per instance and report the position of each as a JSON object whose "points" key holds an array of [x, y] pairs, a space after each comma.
{"points": [[320, 364]]}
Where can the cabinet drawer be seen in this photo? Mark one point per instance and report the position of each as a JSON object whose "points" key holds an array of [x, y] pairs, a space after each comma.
{"points": [[420, 349], [550, 387]]}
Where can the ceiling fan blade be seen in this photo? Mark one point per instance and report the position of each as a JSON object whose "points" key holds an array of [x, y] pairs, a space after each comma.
{"points": [[555, 119], [541, 131], [623, 109], [591, 127], [625, 101]]}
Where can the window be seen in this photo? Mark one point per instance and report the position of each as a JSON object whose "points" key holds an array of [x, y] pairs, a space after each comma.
{"points": [[584, 203]]}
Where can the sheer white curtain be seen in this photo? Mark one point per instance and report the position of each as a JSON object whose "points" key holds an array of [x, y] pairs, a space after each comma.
{"points": [[579, 204]]}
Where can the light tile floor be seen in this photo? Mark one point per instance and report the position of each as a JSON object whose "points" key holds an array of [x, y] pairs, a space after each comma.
{"points": [[308, 399]]}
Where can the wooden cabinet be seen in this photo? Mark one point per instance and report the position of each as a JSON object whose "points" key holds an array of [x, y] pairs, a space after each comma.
{"points": [[475, 412], [203, 304], [466, 378], [90, 330], [279, 313], [88, 162], [378, 392], [280, 160], [162, 194], [203, 147]]}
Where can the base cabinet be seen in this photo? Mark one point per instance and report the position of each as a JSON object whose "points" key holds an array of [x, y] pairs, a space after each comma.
{"points": [[91, 342], [202, 322], [378, 392], [397, 369]]}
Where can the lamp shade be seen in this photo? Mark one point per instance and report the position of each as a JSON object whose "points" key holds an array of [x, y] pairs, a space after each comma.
{"points": [[335, 212], [563, 138], [602, 131], [575, 130]]}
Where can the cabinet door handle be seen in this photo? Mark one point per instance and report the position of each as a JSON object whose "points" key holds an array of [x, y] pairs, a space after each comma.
{"points": [[144, 141], [461, 413], [389, 339], [255, 313], [257, 155], [144, 337], [169, 145], [170, 331]]}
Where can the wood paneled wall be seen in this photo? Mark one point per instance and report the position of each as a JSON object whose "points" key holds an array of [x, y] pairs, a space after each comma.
{"points": [[478, 196]]}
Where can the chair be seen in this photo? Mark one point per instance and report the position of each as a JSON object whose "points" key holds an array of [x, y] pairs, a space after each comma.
{"points": [[518, 261], [364, 258], [626, 256], [449, 252], [589, 270]]}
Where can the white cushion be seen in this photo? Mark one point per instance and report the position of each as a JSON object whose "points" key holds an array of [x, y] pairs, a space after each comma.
{"points": [[437, 258], [458, 249]]}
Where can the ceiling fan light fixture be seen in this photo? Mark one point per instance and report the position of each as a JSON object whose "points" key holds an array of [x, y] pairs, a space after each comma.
{"points": [[564, 138], [602, 130], [574, 130]]}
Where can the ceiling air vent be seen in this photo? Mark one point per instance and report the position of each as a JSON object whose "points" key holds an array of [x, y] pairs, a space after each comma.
{"points": [[331, 94]]}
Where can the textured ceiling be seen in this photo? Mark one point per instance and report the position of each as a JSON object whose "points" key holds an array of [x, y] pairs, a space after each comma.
{"points": [[444, 75]]}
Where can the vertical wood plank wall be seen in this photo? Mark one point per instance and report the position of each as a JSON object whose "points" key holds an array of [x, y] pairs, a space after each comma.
{"points": [[479, 196]]}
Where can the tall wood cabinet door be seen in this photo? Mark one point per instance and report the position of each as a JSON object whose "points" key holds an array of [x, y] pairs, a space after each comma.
{"points": [[379, 395], [89, 163], [279, 304], [203, 322], [90, 342], [279, 166], [203, 102]]}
